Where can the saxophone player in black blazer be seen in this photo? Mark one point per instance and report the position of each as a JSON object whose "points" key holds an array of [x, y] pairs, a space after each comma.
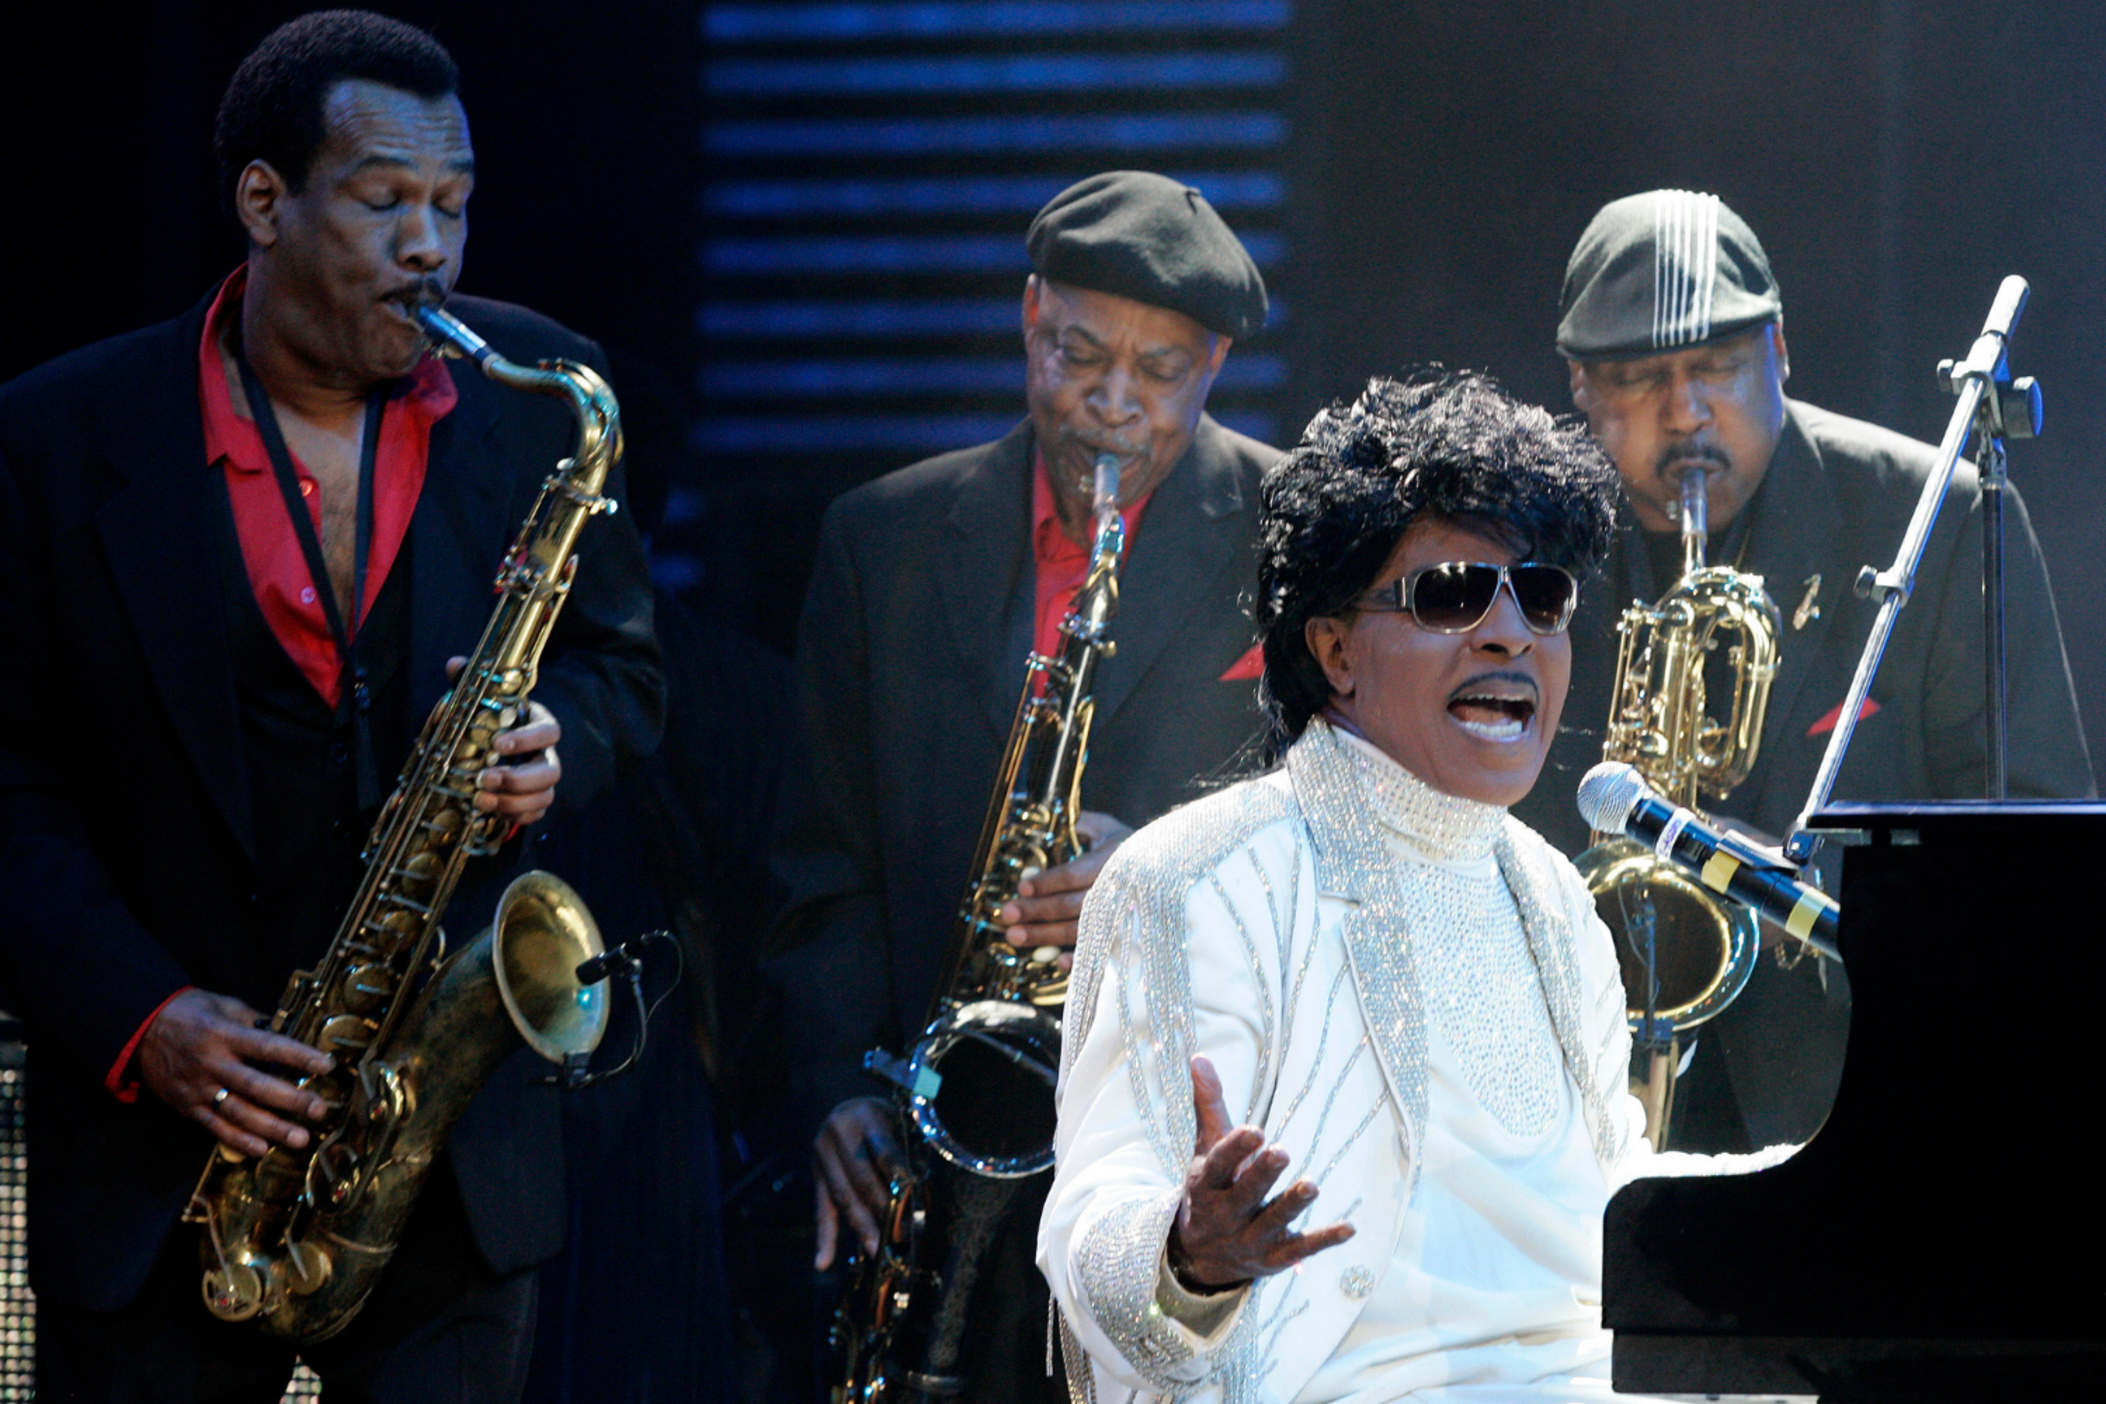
{"points": [[182, 798], [932, 585]]}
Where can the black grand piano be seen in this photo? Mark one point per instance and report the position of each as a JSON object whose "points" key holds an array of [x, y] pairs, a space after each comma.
{"points": [[1944, 1236]]}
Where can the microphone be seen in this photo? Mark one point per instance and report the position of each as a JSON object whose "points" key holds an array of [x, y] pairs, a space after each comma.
{"points": [[1614, 799]]}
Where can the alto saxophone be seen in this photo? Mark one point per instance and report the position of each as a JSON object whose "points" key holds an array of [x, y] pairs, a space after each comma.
{"points": [[294, 1239], [975, 1096]]}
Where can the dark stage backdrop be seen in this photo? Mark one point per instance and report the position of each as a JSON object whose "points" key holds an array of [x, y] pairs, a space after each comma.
{"points": [[1415, 172], [797, 226], [1897, 160]]}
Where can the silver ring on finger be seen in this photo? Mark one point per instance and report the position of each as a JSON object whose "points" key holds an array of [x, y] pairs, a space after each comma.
{"points": [[219, 1098]]}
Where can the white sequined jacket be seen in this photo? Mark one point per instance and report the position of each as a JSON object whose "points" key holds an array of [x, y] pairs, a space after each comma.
{"points": [[1234, 927]]}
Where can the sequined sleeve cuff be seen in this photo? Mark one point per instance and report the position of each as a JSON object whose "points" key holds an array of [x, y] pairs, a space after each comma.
{"points": [[1207, 1314], [1118, 1267]]}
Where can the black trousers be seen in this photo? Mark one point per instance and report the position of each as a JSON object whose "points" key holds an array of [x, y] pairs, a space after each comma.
{"points": [[440, 1326], [1005, 1358]]}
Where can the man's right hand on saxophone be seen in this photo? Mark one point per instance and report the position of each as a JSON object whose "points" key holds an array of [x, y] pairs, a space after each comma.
{"points": [[1048, 905], [855, 1153]]}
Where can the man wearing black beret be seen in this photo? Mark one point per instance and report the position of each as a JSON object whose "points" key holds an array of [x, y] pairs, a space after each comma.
{"points": [[1674, 332], [933, 584]]}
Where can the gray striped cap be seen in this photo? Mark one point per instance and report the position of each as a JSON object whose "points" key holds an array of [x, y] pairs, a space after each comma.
{"points": [[1662, 271]]}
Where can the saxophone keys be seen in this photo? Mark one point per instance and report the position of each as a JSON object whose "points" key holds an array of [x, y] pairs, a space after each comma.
{"points": [[233, 1291], [307, 1268], [346, 1033], [423, 866], [367, 987], [337, 1171], [329, 1089]]}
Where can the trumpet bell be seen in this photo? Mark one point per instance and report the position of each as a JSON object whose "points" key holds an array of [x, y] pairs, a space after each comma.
{"points": [[1703, 947], [541, 934]]}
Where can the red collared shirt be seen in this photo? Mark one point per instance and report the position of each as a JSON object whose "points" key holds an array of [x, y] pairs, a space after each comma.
{"points": [[269, 547], [1060, 565]]}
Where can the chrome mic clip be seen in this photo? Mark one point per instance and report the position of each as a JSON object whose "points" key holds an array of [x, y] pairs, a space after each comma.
{"points": [[625, 962]]}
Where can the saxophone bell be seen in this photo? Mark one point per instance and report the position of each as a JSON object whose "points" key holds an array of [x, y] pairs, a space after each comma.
{"points": [[543, 937], [978, 1088]]}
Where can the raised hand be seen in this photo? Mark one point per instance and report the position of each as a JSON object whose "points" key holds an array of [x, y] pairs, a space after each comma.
{"points": [[1227, 1232]]}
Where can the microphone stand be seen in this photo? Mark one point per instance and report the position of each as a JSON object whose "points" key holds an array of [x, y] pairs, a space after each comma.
{"points": [[2014, 412], [1993, 407]]}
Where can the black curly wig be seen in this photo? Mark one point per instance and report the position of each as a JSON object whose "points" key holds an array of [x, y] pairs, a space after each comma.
{"points": [[273, 107], [1449, 446]]}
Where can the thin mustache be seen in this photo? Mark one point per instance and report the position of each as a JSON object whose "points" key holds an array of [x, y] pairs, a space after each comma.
{"points": [[1682, 452], [425, 292], [1534, 689], [1111, 443]]}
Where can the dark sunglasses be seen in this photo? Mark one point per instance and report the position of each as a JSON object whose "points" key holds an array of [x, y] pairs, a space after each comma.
{"points": [[1455, 596]]}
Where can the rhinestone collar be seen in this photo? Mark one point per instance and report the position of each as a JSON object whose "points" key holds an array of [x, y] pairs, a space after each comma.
{"points": [[1446, 828]]}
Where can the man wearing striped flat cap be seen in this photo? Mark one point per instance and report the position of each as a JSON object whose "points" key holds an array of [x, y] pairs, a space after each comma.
{"points": [[1673, 329]]}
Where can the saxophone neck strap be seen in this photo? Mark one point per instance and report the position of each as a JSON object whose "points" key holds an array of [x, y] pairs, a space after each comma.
{"points": [[354, 687]]}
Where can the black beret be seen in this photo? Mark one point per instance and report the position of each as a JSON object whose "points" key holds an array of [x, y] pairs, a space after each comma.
{"points": [[1661, 271], [1144, 236]]}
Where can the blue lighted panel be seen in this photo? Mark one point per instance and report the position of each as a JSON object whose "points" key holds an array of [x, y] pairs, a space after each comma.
{"points": [[869, 170]]}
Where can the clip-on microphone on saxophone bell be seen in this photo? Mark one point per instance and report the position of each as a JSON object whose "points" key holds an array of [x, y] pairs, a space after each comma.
{"points": [[625, 961]]}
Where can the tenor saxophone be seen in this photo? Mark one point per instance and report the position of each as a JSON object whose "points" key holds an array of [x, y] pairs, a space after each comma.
{"points": [[975, 1095], [293, 1240]]}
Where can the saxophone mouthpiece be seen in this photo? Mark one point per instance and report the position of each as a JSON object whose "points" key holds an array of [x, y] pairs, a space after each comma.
{"points": [[1105, 489], [449, 335]]}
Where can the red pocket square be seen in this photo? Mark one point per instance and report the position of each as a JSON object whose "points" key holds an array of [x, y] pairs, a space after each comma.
{"points": [[1835, 714], [1249, 667]]}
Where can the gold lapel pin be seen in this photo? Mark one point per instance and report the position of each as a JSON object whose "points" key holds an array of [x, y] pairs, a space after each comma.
{"points": [[1807, 609]]}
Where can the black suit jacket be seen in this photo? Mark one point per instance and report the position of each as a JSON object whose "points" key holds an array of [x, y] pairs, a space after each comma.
{"points": [[126, 837], [910, 659], [1838, 496]]}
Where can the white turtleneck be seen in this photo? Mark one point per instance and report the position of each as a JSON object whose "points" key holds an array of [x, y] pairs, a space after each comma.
{"points": [[1497, 1269]]}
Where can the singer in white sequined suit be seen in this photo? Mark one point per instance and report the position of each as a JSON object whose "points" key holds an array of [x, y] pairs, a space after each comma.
{"points": [[1398, 985]]}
